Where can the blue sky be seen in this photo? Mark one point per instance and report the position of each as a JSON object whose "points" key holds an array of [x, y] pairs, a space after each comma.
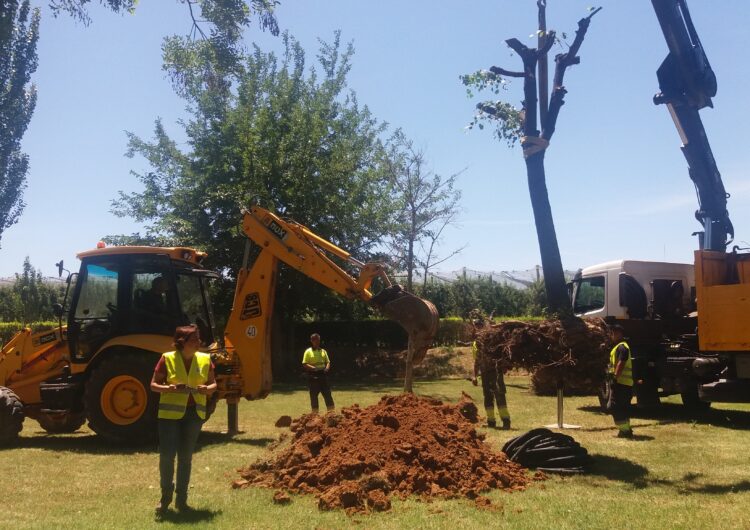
{"points": [[617, 180]]}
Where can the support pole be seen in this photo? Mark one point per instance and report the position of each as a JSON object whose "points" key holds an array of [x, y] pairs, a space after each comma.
{"points": [[232, 419], [560, 423]]}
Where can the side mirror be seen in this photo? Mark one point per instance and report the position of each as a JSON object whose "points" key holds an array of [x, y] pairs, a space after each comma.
{"points": [[57, 310], [60, 269]]}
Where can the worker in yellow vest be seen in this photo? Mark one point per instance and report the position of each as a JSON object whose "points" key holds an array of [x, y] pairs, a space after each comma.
{"points": [[184, 378], [620, 375], [316, 364]]}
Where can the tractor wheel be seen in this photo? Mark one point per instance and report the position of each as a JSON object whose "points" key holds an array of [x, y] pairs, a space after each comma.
{"points": [[11, 416], [120, 405], [61, 423]]}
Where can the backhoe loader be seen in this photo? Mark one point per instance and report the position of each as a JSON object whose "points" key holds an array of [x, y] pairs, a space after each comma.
{"points": [[123, 305]]}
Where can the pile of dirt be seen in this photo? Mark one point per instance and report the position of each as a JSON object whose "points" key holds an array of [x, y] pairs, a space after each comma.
{"points": [[573, 350], [404, 445]]}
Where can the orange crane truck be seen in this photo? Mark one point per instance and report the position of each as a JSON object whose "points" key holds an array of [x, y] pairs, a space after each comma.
{"points": [[123, 305]]}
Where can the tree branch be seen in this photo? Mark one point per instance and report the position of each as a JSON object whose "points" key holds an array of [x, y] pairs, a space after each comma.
{"points": [[562, 62], [529, 57], [507, 73]]}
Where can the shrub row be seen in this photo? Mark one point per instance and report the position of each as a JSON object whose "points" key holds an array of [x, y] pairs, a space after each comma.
{"points": [[8, 329]]}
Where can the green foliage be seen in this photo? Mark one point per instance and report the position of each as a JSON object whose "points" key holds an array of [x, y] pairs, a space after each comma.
{"points": [[8, 329], [19, 32], [461, 297], [30, 298], [504, 117], [296, 139], [78, 9], [426, 203]]}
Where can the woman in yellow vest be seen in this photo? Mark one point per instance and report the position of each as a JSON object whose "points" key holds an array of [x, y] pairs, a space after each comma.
{"points": [[184, 378], [621, 382], [315, 363]]}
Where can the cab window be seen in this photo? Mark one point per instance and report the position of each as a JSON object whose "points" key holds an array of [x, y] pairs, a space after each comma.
{"points": [[98, 297], [589, 295]]}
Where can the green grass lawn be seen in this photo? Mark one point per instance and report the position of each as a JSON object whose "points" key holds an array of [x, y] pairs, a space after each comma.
{"points": [[678, 473]]}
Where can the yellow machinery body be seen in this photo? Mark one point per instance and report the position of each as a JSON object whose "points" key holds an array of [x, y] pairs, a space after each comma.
{"points": [[107, 380]]}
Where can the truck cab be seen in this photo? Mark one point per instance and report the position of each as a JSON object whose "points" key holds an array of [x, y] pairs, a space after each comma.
{"points": [[630, 289]]}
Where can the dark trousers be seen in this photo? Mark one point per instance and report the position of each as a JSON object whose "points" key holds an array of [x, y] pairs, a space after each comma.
{"points": [[177, 438], [621, 396], [493, 389], [318, 384]]}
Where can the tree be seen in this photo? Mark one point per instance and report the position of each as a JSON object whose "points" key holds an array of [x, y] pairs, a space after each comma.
{"points": [[30, 298], [511, 124], [19, 32], [296, 140], [426, 203]]}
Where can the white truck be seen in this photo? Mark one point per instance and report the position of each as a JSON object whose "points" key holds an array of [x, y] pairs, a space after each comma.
{"points": [[655, 303]]}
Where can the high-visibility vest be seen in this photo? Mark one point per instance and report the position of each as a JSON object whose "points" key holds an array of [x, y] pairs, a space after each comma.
{"points": [[172, 405], [316, 357], [626, 376]]}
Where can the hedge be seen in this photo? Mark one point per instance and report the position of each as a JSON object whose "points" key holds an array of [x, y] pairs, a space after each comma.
{"points": [[8, 329]]}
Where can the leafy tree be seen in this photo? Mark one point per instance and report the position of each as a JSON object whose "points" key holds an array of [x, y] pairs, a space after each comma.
{"points": [[30, 298], [426, 203], [297, 140], [19, 32], [78, 9], [511, 124]]}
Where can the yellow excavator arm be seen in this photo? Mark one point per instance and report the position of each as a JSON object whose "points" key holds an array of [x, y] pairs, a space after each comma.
{"points": [[248, 330]]}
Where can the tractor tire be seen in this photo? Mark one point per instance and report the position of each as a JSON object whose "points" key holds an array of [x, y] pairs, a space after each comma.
{"points": [[120, 405], [61, 423], [11, 416]]}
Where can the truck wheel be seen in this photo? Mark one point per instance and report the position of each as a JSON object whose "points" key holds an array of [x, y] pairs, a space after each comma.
{"points": [[120, 405], [691, 401], [61, 423], [11, 416]]}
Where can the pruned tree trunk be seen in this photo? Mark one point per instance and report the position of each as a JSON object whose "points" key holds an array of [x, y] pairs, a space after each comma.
{"points": [[535, 142], [554, 276]]}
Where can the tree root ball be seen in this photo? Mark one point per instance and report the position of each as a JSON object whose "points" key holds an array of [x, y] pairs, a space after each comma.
{"points": [[571, 351]]}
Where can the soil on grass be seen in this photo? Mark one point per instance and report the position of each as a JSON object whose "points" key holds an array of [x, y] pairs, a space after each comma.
{"points": [[404, 445], [570, 351]]}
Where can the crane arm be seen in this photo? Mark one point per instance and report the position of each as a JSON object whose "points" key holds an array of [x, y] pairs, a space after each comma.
{"points": [[687, 83], [248, 330]]}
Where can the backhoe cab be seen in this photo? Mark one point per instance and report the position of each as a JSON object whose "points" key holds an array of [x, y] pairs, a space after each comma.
{"points": [[121, 310]]}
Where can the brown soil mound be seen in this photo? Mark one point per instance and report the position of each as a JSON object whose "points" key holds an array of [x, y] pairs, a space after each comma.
{"points": [[574, 351], [404, 445]]}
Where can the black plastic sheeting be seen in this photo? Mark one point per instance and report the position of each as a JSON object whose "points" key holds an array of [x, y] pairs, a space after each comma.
{"points": [[548, 451]]}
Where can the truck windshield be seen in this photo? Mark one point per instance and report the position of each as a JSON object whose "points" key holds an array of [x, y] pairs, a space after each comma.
{"points": [[589, 295], [195, 306]]}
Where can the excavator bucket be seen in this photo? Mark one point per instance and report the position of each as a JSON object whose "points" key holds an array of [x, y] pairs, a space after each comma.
{"points": [[417, 316]]}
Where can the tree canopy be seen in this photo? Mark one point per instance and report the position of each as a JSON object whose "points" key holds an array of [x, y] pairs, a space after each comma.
{"points": [[19, 32], [30, 298], [294, 138], [425, 204]]}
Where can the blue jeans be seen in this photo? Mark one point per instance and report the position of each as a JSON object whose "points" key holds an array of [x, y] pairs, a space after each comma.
{"points": [[177, 438]]}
